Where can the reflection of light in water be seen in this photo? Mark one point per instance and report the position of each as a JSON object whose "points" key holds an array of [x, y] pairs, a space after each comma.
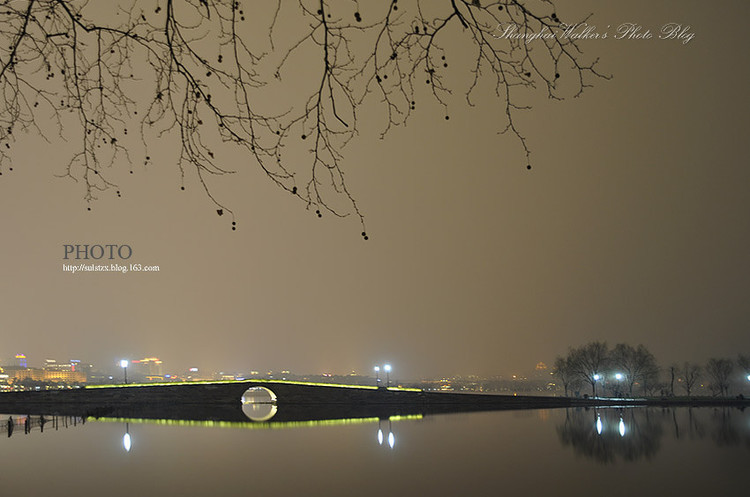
{"points": [[259, 412], [391, 440], [622, 428], [380, 436], [126, 442], [599, 425], [259, 404]]}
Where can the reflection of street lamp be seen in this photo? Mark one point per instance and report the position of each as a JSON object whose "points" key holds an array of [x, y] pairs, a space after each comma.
{"points": [[596, 378], [391, 436], [622, 427], [377, 376], [599, 425], [387, 368], [124, 366], [126, 439], [748, 377]]}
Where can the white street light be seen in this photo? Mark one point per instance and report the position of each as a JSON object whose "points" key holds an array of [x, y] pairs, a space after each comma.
{"points": [[619, 376], [377, 376], [387, 368]]}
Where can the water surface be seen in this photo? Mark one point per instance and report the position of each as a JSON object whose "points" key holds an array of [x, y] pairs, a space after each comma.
{"points": [[638, 451]]}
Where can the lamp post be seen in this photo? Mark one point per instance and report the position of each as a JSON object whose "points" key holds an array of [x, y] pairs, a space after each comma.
{"points": [[124, 366], [596, 378], [387, 368], [619, 377], [377, 376]]}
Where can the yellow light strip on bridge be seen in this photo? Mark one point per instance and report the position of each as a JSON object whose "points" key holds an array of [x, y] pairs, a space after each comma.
{"points": [[228, 382]]}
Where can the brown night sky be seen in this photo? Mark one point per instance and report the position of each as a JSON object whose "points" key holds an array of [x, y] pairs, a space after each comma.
{"points": [[633, 225]]}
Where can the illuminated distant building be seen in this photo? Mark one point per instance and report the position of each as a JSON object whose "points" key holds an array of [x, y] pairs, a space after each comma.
{"points": [[46, 376], [83, 367], [73, 365], [150, 366], [21, 360], [4, 380], [53, 365]]}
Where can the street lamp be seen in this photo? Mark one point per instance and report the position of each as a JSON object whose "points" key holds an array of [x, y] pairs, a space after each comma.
{"points": [[377, 376], [124, 366], [387, 368]]}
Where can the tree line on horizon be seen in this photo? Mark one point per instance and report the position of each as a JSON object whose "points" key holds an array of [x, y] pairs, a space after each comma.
{"points": [[625, 370]]}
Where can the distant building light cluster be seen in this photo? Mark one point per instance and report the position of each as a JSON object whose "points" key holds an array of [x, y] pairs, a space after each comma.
{"points": [[18, 376], [21, 360]]}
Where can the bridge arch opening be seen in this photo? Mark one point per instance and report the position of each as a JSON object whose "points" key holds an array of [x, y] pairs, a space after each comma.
{"points": [[259, 403]]}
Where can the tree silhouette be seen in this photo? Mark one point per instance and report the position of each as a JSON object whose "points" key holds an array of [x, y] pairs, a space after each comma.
{"points": [[119, 78], [638, 363], [690, 373], [718, 372], [565, 370], [589, 362], [743, 362]]}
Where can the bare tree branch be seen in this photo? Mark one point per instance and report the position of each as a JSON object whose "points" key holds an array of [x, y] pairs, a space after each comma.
{"points": [[103, 74]]}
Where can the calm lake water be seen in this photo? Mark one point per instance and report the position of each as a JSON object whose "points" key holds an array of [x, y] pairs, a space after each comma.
{"points": [[639, 451]]}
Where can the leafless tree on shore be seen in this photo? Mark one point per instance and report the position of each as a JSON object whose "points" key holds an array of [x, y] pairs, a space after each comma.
{"points": [[719, 372], [690, 374]]}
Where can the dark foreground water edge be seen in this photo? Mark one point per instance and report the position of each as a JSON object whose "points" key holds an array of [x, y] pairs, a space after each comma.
{"points": [[566, 451]]}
